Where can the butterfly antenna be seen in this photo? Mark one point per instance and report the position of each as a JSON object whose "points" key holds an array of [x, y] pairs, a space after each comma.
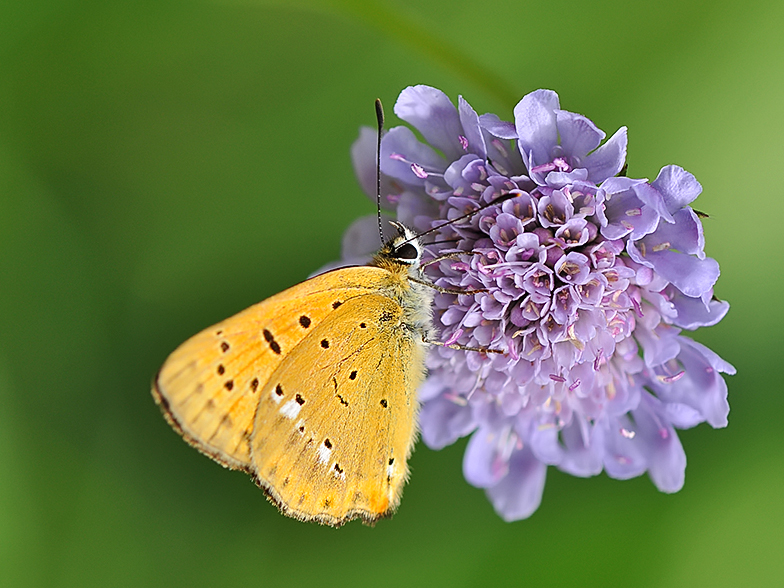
{"points": [[380, 121], [499, 200]]}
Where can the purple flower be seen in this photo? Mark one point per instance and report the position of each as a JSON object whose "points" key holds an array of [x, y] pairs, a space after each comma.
{"points": [[588, 279]]}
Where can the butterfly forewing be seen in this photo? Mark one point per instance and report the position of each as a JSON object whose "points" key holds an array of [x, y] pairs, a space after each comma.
{"points": [[336, 422], [209, 387]]}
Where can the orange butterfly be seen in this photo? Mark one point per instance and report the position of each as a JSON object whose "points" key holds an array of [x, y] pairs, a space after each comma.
{"points": [[313, 391]]}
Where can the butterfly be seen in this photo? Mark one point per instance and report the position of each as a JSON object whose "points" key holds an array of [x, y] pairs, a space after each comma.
{"points": [[313, 391]]}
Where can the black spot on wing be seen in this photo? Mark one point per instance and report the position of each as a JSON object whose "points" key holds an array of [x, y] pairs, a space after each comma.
{"points": [[325, 344], [384, 402], [327, 443], [224, 346], [353, 375], [279, 390], [229, 384], [270, 339], [221, 369], [299, 399], [254, 385], [304, 321]]}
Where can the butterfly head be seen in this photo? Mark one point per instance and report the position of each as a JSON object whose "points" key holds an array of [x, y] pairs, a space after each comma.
{"points": [[403, 249]]}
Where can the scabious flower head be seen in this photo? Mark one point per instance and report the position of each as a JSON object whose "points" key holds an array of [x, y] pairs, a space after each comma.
{"points": [[588, 279]]}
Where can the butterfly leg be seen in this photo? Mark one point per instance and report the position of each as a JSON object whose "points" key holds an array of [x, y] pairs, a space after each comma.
{"points": [[462, 347], [447, 290], [453, 255]]}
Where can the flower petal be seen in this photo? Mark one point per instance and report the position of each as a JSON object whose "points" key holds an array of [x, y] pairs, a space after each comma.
{"points": [[690, 275], [401, 151], [677, 186], [497, 127], [694, 313], [578, 135], [584, 449], [666, 458], [624, 456], [469, 120], [519, 493], [608, 159], [699, 384], [363, 156], [431, 112], [483, 463], [536, 127], [443, 422]]}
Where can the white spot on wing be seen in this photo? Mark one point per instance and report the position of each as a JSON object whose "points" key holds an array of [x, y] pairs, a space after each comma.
{"points": [[291, 409], [275, 396], [324, 454], [390, 470]]}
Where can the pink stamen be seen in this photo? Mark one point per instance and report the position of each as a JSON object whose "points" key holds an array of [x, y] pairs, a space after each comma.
{"points": [[463, 142], [557, 378], [671, 379], [574, 386], [459, 400], [397, 157], [454, 337], [628, 434], [546, 167], [419, 171]]}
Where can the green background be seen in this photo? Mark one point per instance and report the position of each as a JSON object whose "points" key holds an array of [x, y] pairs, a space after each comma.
{"points": [[165, 164]]}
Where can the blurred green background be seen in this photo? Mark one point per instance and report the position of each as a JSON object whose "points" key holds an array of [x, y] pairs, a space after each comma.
{"points": [[166, 164]]}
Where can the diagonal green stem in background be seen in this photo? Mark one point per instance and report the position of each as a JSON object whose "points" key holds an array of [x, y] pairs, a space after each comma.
{"points": [[398, 23]]}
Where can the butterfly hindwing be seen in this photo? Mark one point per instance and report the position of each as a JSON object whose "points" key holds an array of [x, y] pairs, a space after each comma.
{"points": [[209, 387], [336, 421]]}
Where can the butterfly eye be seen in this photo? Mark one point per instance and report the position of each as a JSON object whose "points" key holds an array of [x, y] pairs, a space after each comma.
{"points": [[406, 251]]}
